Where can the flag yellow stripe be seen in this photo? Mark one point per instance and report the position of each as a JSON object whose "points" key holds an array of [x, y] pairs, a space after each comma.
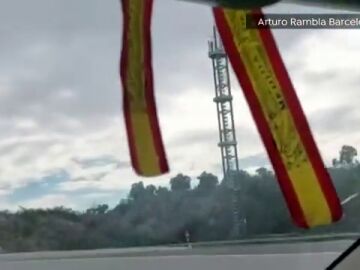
{"points": [[279, 119], [142, 132]]}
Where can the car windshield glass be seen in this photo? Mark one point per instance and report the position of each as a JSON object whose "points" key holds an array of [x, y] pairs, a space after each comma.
{"points": [[175, 130]]}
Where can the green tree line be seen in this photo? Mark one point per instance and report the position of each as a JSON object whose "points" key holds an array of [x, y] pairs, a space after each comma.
{"points": [[153, 215]]}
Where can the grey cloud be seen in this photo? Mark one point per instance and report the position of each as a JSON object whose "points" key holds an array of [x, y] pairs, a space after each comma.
{"points": [[29, 150], [290, 37], [258, 160], [53, 17], [94, 178], [180, 49], [333, 75], [205, 136], [244, 136], [81, 54], [192, 68], [100, 162], [353, 83], [320, 77], [342, 119], [47, 46], [95, 94]]}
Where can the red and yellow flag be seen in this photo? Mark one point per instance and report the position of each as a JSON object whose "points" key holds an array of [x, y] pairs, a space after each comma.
{"points": [[144, 136], [304, 180]]}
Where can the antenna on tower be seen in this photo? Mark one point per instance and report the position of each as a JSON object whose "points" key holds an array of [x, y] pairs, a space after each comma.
{"points": [[227, 136]]}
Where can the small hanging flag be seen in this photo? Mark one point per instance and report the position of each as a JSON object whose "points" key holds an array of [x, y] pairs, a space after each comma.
{"points": [[143, 131]]}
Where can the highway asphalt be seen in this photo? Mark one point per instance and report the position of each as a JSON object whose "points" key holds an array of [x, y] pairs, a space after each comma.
{"points": [[293, 256]]}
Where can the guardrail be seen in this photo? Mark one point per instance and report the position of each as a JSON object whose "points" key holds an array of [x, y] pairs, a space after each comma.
{"points": [[277, 239]]}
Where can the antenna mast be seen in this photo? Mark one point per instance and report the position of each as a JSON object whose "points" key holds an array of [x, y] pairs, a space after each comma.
{"points": [[223, 100]]}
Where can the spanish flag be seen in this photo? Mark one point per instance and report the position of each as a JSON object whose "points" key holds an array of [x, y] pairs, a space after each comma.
{"points": [[143, 131], [304, 180]]}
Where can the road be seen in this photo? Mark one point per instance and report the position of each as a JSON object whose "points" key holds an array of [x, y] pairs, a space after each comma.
{"points": [[295, 256]]}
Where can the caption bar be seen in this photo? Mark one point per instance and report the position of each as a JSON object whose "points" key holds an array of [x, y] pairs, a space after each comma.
{"points": [[303, 21]]}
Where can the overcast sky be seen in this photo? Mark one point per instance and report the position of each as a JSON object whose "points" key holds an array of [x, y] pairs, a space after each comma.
{"points": [[62, 136]]}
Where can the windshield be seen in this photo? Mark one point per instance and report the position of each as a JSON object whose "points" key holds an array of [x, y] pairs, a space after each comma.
{"points": [[70, 179]]}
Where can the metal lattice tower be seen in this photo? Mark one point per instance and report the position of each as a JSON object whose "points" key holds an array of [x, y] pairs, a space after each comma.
{"points": [[223, 100], [227, 135]]}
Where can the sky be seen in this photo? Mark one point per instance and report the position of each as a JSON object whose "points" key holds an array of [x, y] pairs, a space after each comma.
{"points": [[62, 135]]}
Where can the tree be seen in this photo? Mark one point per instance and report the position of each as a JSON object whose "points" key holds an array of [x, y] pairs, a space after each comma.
{"points": [[207, 182], [159, 216], [347, 156], [180, 183], [137, 191], [334, 162], [150, 190], [265, 173], [98, 210]]}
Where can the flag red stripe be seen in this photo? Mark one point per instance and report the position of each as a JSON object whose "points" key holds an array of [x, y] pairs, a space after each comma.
{"points": [[149, 86]]}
